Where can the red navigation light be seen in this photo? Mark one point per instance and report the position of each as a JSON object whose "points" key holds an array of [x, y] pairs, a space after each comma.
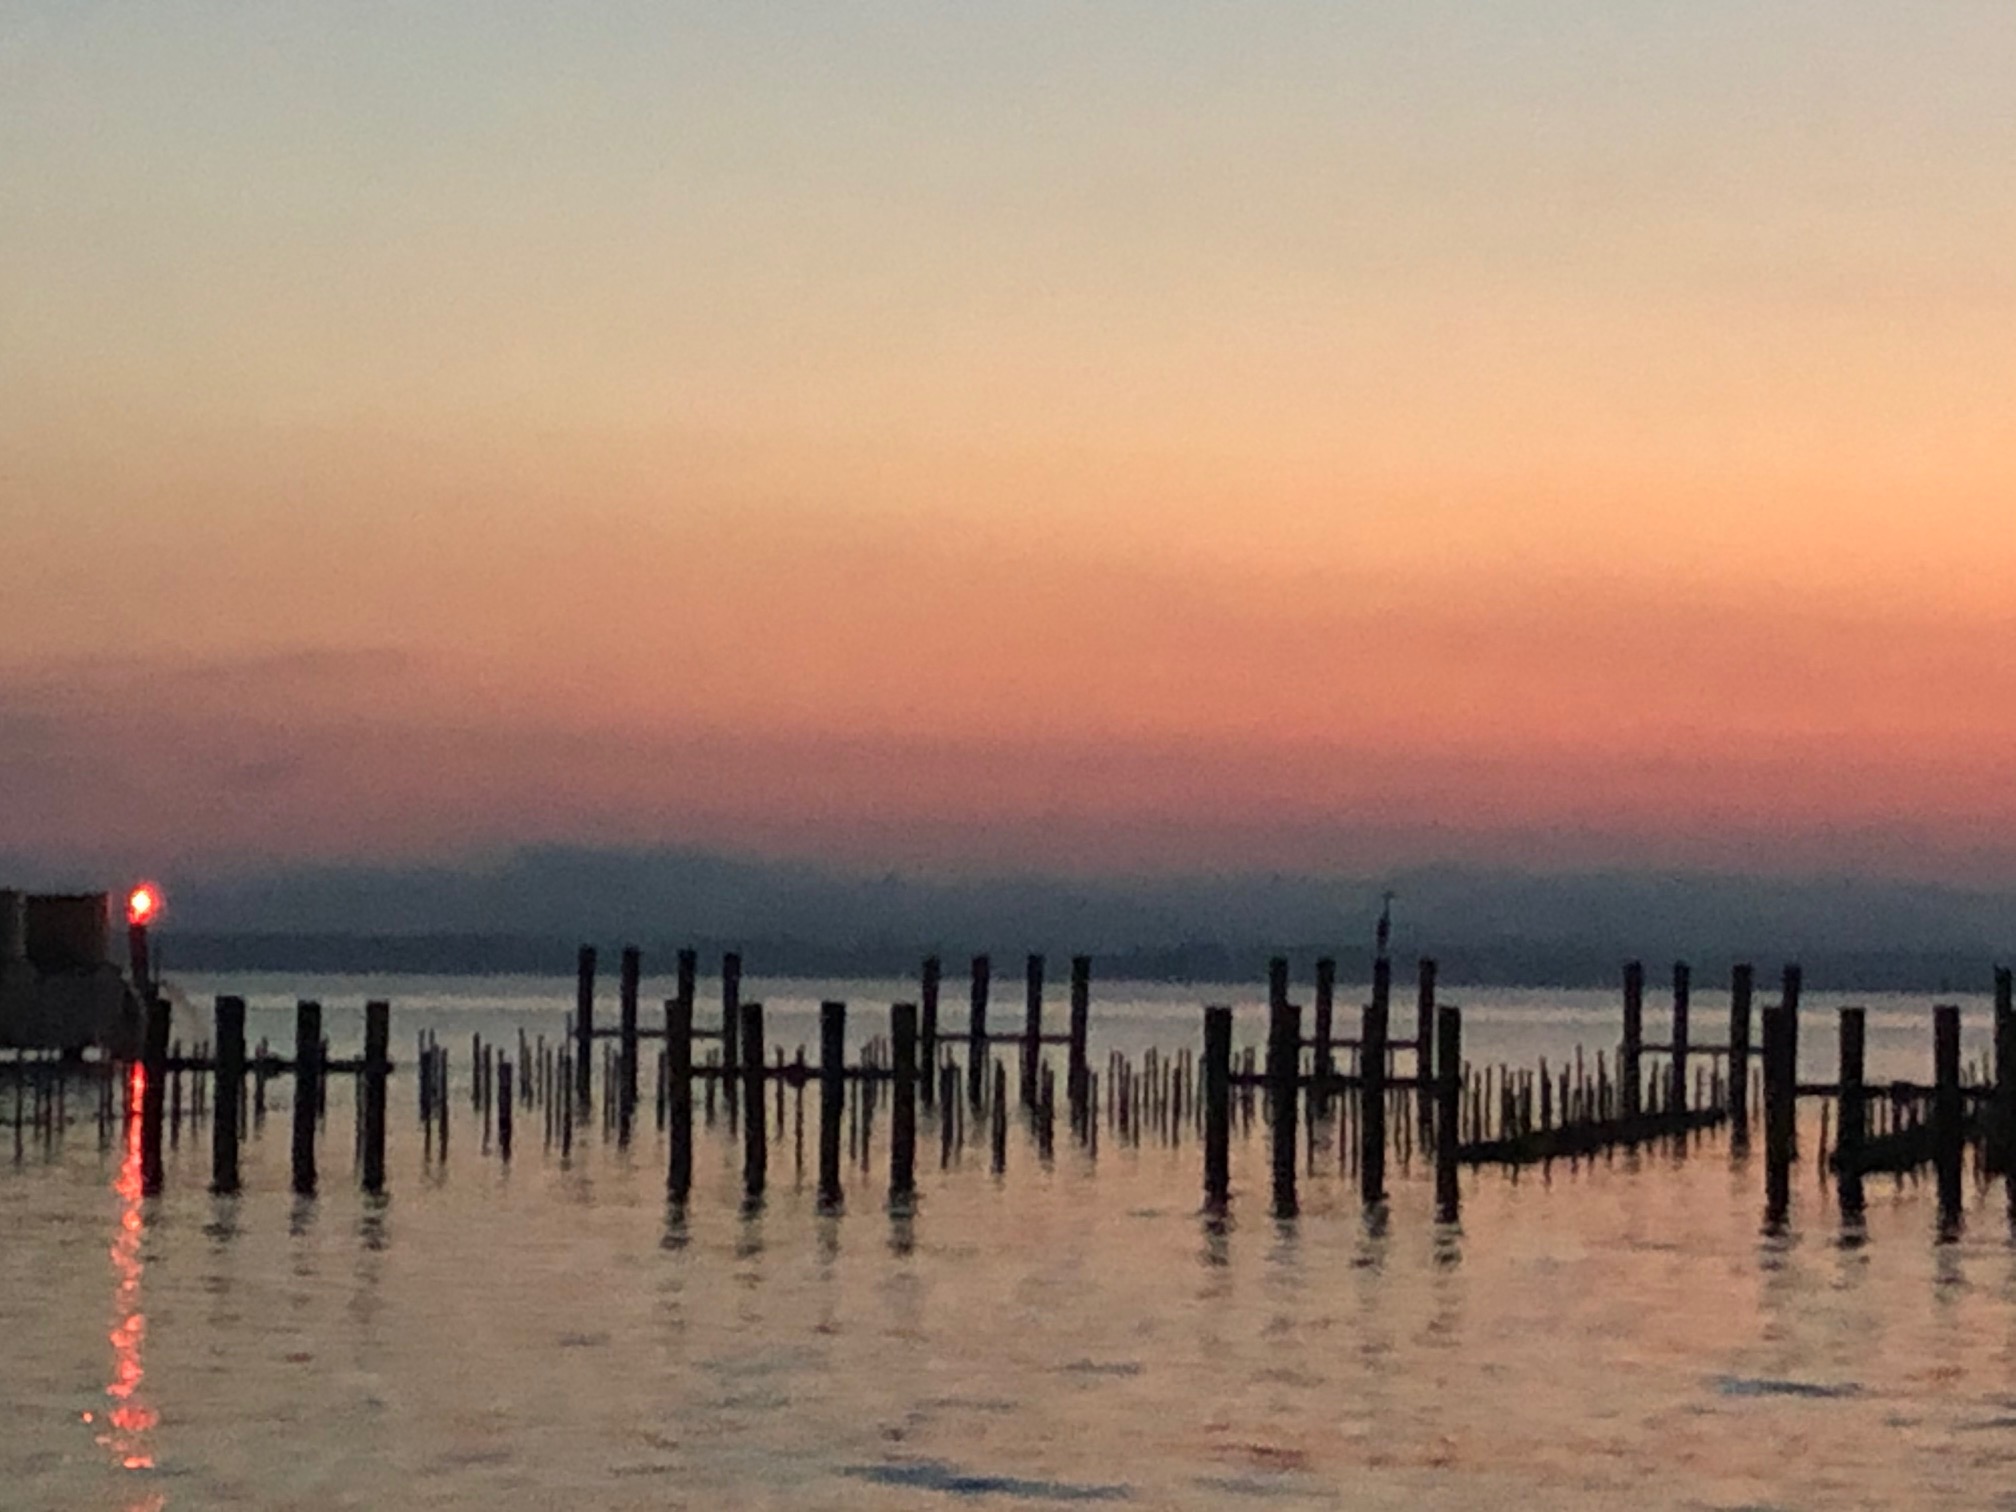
{"points": [[143, 904]]}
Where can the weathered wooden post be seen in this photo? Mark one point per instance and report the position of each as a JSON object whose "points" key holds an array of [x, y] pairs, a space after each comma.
{"points": [[1077, 1067], [832, 1099], [1284, 1064], [1217, 1108], [1683, 992], [371, 1089], [1780, 1112], [2002, 1111], [1854, 1117], [1372, 1086], [903, 1104], [307, 1092], [1948, 1113], [1424, 1047], [927, 1030], [976, 1033], [1323, 1031], [1791, 982], [1448, 1111], [153, 1092], [584, 1025], [626, 1031], [1740, 986], [230, 1092], [731, 1028], [507, 1107], [755, 1128], [679, 1089], [1629, 1057], [1032, 1028]]}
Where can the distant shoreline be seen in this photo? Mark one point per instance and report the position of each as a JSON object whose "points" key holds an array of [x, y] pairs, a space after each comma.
{"points": [[1567, 964]]}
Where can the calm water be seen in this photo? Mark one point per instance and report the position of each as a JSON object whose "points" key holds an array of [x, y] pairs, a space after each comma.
{"points": [[547, 1335]]}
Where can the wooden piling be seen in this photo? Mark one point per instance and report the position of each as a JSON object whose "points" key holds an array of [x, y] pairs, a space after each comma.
{"points": [[153, 1092], [731, 1024], [1683, 991], [1780, 1112], [1000, 1112], [1789, 991], [1323, 1033], [1032, 1028], [927, 1029], [679, 1090], [1448, 1111], [1948, 1112], [976, 1033], [626, 1055], [507, 1106], [2002, 1109], [755, 1129], [1740, 987], [1284, 1062], [371, 1091], [1077, 1066], [1630, 1055], [1217, 1107], [1424, 1047], [584, 1025], [903, 1103], [832, 1099], [1372, 1086], [1854, 1115], [225, 1115], [307, 1092]]}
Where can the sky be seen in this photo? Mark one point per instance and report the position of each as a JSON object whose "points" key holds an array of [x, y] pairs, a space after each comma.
{"points": [[1093, 437]]}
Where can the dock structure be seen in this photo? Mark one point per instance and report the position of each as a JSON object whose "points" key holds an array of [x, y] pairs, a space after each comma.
{"points": [[1334, 1080]]}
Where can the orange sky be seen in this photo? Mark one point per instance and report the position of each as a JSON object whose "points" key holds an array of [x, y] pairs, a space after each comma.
{"points": [[1578, 436]]}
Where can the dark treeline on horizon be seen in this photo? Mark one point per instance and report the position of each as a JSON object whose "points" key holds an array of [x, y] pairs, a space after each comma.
{"points": [[1514, 964]]}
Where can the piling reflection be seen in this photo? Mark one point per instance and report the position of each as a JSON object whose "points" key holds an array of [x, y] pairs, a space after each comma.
{"points": [[128, 1424]]}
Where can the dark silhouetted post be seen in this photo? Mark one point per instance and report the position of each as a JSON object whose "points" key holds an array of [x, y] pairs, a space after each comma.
{"points": [[1629, 1079], [1740, 987], [626, 1031], [1948, 1115], [230, 1092], [1683, 988], [307, 1092], [1424, 1047], [927, 1030], [153, 1092], [1372, 1085], [755, 1128], [1448, 1110], [2002, 1128], [832, 1098], [1217, 1107], [731, 1026], [371, 1091], [1284, 1064], [1854, 1115], [976, 1033], [507, 1108], [1032, 1028], [584, 1025], [903, 1103], [1780, 1108], [1324, 1029], [1277, 986], [679, 1088], [1077, 1069], [1789, 997]]}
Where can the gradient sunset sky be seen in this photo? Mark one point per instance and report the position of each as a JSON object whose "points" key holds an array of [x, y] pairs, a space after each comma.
{"points": [[1094, 436]]}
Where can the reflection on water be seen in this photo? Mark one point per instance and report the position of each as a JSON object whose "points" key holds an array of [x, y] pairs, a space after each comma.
{"points": [[126, 1430], [1609, 1333]]}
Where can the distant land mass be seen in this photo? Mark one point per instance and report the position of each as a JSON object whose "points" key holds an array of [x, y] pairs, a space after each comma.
{"points": [[525, 912]]}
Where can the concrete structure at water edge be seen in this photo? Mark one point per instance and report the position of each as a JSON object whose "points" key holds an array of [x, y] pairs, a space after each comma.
{"points": [[59, 986]]}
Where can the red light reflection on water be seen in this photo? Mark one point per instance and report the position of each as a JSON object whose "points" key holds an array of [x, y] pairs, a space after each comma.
{"points": [[128, 1421]]}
